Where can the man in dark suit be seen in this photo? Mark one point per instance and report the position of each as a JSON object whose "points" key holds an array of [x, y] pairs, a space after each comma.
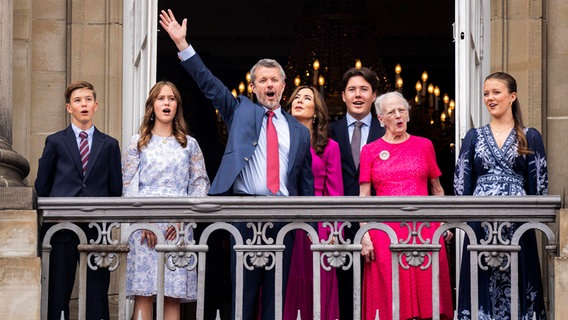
{"points": [[352, 132], [79, 161], [244, 167]]}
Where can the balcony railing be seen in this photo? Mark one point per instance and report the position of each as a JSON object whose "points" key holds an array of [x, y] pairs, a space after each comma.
{"points": [[120, 217]]}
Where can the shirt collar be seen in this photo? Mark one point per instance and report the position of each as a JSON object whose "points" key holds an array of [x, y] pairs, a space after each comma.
{"points": [[277, 111], [77, 131], [366, 120]]}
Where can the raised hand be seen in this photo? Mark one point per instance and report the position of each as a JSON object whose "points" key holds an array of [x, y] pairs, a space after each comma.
{"points": [[176, 31]]}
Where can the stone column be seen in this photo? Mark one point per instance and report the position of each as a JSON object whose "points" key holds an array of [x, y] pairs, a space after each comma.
{"points": [[13, 167], [20, 266]]}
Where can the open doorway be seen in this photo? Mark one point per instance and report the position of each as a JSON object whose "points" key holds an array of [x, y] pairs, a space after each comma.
{"points": [[231, 36]]}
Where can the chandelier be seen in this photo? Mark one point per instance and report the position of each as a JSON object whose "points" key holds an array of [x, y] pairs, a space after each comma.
{"points": [[331, 37]]}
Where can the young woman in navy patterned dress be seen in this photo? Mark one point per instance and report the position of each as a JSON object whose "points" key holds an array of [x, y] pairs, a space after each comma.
{"points": [[502, 158]]}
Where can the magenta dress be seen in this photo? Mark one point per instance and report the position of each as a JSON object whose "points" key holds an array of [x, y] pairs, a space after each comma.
{"points": [[299, 294], [401, 170]]}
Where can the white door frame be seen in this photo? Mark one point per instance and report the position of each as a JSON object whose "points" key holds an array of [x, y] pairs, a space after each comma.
{"points": [[471, 35], [140, 18], [472, 39]]}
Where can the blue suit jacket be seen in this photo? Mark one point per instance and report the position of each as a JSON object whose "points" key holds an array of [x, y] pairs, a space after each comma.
{"points": [[244, 121], [340, 133], [60, 172]]}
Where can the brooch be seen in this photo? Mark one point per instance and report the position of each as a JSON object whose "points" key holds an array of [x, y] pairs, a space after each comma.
{"points": [[384, 155]]}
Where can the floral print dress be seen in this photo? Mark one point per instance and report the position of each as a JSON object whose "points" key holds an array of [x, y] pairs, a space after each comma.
{"points": [[484, 169], [162, 169]]}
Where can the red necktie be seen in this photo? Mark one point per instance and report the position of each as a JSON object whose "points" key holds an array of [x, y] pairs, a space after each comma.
{"points": [[272, 158], [84, 150]]}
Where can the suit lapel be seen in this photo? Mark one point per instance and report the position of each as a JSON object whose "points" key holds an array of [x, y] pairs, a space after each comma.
{"points": [[96, 147], [343, 136], [294, 138], [70, 142], [259, 113], [375, 131]]}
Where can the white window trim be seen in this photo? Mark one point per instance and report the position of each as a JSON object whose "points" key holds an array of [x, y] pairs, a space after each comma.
{"points": [[140, 19]]}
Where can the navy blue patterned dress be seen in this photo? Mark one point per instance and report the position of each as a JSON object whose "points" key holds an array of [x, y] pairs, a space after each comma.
{"points": [[484, 169]]}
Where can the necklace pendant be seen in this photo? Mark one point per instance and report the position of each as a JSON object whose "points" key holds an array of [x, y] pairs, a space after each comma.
{"points": [[164, 141]]}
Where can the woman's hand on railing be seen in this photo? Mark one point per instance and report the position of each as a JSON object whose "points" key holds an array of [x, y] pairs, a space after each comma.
{"points": [[368, 251], [171, 232], [149, 237], [448, 235]]}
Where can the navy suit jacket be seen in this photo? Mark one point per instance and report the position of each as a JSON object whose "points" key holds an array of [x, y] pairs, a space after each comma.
{"points": [[60, 172], [340, 133], [244, 121]]}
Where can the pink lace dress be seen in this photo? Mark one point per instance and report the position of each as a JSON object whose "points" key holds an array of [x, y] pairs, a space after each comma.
{"points": [[401, 170]]}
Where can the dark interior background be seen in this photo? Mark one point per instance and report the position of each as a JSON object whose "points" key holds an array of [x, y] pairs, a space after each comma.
{"points": [[232, 35]]}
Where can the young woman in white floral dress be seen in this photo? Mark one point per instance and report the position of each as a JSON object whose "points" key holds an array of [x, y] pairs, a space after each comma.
{"points": [[161, 161]]}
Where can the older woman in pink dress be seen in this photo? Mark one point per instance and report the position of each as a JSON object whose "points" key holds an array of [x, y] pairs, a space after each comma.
{"points": [[400, 164], [308, 107]]}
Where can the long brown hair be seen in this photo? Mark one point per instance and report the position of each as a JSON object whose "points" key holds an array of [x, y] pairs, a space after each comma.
{"points": [[511, 85], [320, 122], [179, 129]]}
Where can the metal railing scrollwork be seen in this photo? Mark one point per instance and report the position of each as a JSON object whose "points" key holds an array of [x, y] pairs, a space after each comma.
{"points": [[114, 220]]}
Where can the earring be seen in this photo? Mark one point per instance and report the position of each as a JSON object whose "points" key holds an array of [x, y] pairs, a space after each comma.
{"points": [[382, 124], [314, 120], [152, 117]]}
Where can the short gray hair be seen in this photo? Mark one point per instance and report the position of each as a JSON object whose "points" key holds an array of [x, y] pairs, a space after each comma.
{"points": [[382, 97], [268, 63]]}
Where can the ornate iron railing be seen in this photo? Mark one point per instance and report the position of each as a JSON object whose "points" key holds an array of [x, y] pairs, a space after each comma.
{"points": [[126, 215]]}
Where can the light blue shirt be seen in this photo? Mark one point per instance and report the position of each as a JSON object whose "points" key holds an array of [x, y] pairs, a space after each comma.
{"points": [[364, 128], [187, 53], [252, 179], [89, 131]]}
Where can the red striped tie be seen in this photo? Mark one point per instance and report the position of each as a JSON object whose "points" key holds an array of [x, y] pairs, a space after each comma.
{"points": [[84, 150], [272, 158]]}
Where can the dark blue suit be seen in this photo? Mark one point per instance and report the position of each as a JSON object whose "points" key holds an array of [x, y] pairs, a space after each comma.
{"points": [[340, 133], [244, 121], [60, 175]]}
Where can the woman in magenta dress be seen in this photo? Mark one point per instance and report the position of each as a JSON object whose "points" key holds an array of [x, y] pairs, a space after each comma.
{"points": [[400, 164], [308, 107]]}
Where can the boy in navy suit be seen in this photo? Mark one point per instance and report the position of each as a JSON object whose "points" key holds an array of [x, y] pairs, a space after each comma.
{"points": [[79, 161]]}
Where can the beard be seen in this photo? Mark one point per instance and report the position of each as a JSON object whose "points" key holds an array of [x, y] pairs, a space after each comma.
{"points": [[273, 104]]}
